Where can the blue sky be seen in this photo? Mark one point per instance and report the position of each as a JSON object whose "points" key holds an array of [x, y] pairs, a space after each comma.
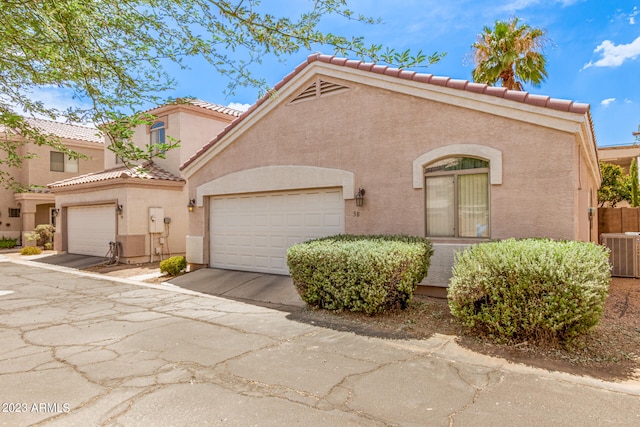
{"points": [[593, 56]]}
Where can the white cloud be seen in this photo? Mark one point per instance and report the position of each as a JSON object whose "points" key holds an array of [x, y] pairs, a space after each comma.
{"points": [[52, 97], [614, 55], [607, 101], [632, 15], [239, 106]]}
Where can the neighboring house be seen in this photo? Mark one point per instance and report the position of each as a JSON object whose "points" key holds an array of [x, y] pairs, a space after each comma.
{"points": [[620, 155], [143, 209], [21, 212], [452, 160]]}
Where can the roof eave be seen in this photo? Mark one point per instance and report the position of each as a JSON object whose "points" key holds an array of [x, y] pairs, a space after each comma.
{"points": [[536, 109]]}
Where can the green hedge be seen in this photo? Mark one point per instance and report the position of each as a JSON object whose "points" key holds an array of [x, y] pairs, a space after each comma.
{"points": [[8, 243], [359, 273], [173, 266], [530, 289]]}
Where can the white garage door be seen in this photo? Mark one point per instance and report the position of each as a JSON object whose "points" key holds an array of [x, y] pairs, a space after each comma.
{"points": [[90, 229], [253, 232]]}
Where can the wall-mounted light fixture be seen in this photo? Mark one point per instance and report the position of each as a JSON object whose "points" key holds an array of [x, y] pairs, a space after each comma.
{"points": [[56, 212], [191, 205], [360, 197], [119, 209]]}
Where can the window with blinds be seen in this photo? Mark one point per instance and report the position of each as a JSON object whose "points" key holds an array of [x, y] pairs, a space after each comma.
{"points": [[457, 198]]}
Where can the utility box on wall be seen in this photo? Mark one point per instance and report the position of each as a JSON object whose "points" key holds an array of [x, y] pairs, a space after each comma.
{"points": [[156, 220]]}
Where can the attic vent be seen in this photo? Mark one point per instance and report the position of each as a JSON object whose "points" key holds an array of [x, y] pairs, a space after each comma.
{"points": [[317, 89], [309, 92]]}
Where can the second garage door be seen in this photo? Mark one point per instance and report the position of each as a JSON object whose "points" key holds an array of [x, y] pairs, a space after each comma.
{"points": [[252, 232], [90, 229]]}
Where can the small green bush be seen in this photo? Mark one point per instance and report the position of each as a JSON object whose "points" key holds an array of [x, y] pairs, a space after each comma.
{"points": [[7, 242], [30, 250], [359, 273], [48, 246], [530, 289], [174, 265]]}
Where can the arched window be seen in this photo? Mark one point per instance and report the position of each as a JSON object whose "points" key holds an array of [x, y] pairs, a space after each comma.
{"points": [[457, 198], [157, 133]]}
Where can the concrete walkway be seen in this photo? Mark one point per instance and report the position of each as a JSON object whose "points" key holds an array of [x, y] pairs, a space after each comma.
{"points": [[80, 349]]}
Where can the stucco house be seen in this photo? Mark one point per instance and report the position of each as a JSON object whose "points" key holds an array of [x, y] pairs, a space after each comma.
{"points": [[143, 209], [22, 211], [620, 155], [453, 160]]}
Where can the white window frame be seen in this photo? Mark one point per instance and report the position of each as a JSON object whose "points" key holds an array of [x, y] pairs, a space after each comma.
{"points": [[158, 133], [456, 203]]}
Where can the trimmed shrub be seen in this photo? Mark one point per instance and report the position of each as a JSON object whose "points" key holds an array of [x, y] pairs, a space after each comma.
{"points": [[45, 233], [8, 243], [530, 289], [31, 238], [30, 250], [173, 266], [48, 246], [359, 273]]}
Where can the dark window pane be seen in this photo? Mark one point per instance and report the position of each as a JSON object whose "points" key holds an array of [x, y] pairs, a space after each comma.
{"points": [[56, 162]]}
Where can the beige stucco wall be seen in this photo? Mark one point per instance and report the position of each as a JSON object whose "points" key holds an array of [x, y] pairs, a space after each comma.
{"points": [[36, 171], [132, 227], [377, 134], [189, 126]]}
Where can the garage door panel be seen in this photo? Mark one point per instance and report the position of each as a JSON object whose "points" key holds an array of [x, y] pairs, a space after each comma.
{"points": [[333, 220], [90, 229], [267, 224]]}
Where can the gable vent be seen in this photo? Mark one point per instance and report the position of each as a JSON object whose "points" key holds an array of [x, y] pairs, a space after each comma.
{"points": [[317, 89]]}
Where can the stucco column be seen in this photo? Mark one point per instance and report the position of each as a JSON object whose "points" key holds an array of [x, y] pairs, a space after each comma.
{"points": [[28, 213]]}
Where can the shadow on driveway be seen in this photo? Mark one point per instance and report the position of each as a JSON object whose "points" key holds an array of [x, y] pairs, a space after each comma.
{"points": [[268, 290], [71, 260]]}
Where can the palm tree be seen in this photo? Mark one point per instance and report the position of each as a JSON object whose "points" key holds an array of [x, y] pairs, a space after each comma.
{"points": [[510, 53]]}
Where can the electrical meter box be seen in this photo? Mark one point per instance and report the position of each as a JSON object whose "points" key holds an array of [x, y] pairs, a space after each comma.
{"points": [[156, 220]]}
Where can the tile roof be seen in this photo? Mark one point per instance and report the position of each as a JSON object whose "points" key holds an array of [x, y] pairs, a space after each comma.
{"points": [[430, 79], [146, 171], [66, 130], [201, 104], [215, 107]]}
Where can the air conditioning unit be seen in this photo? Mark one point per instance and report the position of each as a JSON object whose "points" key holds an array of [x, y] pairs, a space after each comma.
{"points": [[625, 253]]}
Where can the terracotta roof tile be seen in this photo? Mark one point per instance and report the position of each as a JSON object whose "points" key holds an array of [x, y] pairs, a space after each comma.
{"points": [[201, 104], [65, 130], [516, 95], [457, 84], [147, 170], [214, 107], [476, 87], [539, 100], [465, 85], [439, 80]]}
